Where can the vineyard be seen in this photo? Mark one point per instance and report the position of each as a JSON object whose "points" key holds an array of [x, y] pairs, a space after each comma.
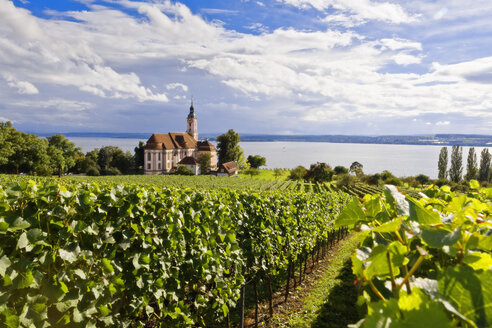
{"points": [[101, 252], [427, 262]]}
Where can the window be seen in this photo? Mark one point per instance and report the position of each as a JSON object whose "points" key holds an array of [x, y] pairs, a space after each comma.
{"points": [[159, 156], [159, 166], [149, 156], [148, 166]]}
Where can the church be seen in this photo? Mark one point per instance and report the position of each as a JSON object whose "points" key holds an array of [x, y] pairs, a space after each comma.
{"points": [[164, 152]]}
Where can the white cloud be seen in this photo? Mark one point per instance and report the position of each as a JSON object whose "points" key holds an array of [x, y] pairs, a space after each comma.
{"points": [[172, 86], [4, 119], [362, 9], [441, 123], [259, 3], [23, 87], [405, 59]]}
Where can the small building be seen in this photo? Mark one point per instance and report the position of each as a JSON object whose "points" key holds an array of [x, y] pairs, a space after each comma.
{"points": [[227, 169], [164, 151], [191, 163]]}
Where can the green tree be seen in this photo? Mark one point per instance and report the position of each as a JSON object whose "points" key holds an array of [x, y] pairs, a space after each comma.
{"points": [[183, 170], [113, 157], [471, 165], [8, 136], [204, 161], [63, 153], [422, 179], [139, 155], [484, 171], [456, 167], [256, 161], [442, 165], [298, 173], [278, 173], [340, 170], [319, 172], [228, 148], [356, 168]]}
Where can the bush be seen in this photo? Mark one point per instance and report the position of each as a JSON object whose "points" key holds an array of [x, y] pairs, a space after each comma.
{"points": [[340, 170], [183, 170], [93, 171], [346, 180], [113, 171], [298, 173]]}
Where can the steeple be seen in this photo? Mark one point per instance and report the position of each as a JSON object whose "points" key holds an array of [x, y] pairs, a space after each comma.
{"points": [[192, 110], [191, 126]]}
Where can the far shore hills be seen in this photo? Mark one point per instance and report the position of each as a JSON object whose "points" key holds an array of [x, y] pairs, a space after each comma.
{"points": [[472, 140]]}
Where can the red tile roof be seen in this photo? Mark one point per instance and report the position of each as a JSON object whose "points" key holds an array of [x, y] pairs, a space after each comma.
{"points": [[205, 145], [172, 140], [189, 161], [229, 167]]}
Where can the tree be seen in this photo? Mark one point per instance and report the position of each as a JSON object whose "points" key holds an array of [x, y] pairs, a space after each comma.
{"points": [[139, 155], [456, 167], [356, 168], [204, 162], [442, 164], [319, 172], [471, 165], [256, 161], [422, 179], [484, 171], [278, 173], [228, 148], [340, 170], [183, 170], [62, 152], [113, 157], [298, 173]]}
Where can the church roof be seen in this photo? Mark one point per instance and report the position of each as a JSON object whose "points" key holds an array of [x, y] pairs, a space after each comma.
{"points": [[171, 140], [188, 160], [205, 145]]}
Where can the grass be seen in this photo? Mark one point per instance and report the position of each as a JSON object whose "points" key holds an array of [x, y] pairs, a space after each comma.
{"points": [[332, 301], [267, 175]]}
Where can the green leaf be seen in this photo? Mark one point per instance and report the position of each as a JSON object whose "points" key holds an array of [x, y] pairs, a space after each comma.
{"points": [[107, 267], [469, 292], [439, 237], [4, 264], [390, 226], [68, 256], [422, 215], [23, 280], [23, 241], [478, 260], [474, 184], [352, 214]]}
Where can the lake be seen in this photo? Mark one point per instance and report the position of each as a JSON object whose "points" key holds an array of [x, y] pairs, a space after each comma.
{"points": [[401, 160]]}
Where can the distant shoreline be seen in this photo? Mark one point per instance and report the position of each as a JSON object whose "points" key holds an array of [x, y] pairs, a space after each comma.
{"points": [[470, 140]]}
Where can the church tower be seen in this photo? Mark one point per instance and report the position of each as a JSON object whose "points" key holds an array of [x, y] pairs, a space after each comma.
{"points": [[191, 126]]}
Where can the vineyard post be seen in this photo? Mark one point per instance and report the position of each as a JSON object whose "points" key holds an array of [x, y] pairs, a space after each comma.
{"points": [[288, 280], [256, 303], [242, 305]]}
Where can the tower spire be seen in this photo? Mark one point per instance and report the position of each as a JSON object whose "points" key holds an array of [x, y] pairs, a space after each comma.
{"points": [[191, 122]]}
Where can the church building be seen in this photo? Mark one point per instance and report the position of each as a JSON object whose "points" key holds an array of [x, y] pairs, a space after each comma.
{"points": [[164, 152]]}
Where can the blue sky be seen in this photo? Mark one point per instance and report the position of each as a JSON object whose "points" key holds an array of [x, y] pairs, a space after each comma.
{"points": [[279, 66]]}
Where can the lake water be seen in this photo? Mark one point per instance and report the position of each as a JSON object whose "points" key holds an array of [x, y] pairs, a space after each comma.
{"points": [[401, 160]]}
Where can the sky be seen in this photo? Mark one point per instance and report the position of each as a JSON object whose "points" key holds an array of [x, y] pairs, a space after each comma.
{"points": [[352, 67]]}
